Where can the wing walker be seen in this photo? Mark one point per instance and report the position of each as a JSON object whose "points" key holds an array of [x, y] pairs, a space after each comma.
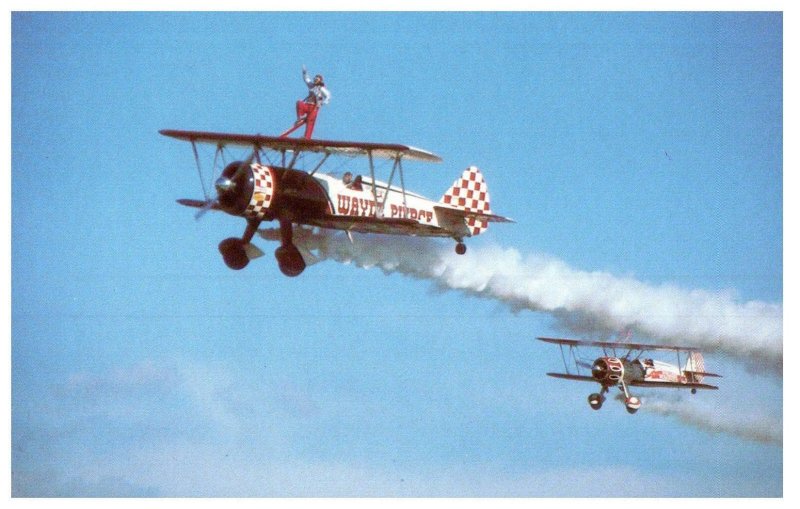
{"points": [[279, 179]]}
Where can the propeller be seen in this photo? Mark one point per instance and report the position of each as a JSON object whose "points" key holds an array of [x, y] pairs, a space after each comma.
{"points": [[205, 208], [224, 185]]}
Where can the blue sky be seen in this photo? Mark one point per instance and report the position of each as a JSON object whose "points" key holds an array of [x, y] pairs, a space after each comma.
{"points": [[645, 148]]}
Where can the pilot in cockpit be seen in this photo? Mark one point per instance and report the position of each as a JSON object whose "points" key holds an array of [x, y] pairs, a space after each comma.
{"points": [[350, 183]]}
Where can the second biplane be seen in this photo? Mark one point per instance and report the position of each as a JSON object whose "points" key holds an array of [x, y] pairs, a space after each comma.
{"points": [[269, 185], [622, 365]]}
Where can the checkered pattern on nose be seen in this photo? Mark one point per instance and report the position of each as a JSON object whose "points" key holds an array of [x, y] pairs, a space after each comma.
{"points": [[263, 192]]}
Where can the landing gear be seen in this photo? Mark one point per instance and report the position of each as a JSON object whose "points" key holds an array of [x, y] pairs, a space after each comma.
{"points": [[290, 261], [233, 253], [596, 400], [234, 250], [461, 248], [632, 404]]}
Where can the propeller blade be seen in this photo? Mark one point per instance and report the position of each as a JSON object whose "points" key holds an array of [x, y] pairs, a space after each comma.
{"points": [[244, 165], [205, 208]]}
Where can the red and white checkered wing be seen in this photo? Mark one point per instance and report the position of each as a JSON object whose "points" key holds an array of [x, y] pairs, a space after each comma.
{"points": [[470, 193]]}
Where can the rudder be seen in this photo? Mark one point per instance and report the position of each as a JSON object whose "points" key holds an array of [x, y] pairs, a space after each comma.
{"points": [[469, 192], [695, 367]]}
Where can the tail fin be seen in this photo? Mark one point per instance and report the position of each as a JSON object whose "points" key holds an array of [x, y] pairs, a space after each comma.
{"points": [[695, 367], [470, 193]]}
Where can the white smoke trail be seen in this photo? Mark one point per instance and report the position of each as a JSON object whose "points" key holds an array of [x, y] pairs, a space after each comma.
{"points": [[757, 428], [750, 331]]}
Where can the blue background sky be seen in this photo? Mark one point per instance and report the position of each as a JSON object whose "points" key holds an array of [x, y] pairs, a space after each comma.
{"points": [[646, 146]]}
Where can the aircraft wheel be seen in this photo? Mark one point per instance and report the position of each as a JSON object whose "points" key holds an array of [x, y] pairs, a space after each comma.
{"points": [[694, 391], [290, 261], [233, 253], [461, 248], [632, 404], [595, 401]]}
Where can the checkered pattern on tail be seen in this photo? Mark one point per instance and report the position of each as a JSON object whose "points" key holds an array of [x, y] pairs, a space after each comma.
{"points": [[263, 191], [696, 363], [469, 192]]}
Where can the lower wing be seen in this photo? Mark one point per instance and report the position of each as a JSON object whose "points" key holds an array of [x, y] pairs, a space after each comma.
{"points": [[367, 224], [673, 385], [567, 376]]}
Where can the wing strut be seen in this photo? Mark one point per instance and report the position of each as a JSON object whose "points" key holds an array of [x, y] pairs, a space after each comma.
{"points": [[294, 159], [395, 166], [378, 213], [199, 170], [563, 358], [319, 165], [403, 187], [389, 184]]}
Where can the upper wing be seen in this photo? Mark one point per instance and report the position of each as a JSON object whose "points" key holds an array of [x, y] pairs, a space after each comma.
{"points": [[611, 344], [352, 148]]}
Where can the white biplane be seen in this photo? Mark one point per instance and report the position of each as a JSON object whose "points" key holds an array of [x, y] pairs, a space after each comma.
{"points": [[270, 185], [621, 365]]}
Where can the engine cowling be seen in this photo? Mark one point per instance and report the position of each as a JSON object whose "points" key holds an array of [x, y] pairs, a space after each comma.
{"points": [[608, 370], [246, 189]]}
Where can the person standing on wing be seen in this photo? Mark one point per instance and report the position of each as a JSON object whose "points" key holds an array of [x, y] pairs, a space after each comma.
{"points": [[308, 108]]}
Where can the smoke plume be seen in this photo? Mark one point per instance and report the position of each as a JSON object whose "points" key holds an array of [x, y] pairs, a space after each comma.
{"points": [[755, 428], [749, 331]]}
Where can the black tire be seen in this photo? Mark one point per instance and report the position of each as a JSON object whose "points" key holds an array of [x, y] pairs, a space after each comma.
{"points": [[290, 261], [596, 401], [233, 253]]}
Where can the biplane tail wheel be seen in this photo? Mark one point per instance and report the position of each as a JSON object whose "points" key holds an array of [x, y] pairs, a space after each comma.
{"points": [[461, 248], [233, 253], [596, 401], [290, 261]]}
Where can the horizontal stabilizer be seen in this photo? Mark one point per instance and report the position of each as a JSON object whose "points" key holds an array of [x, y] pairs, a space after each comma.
{"points": [[492, 218], [466, 214], [702, 373]]}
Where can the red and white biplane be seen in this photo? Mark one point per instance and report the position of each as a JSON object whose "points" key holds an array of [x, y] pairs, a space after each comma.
{"points": [[621, 365], [279, 180]]}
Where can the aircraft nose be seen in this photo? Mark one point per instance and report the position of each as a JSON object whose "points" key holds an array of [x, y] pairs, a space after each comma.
{"points": [[599, 369], [224, 184]]}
